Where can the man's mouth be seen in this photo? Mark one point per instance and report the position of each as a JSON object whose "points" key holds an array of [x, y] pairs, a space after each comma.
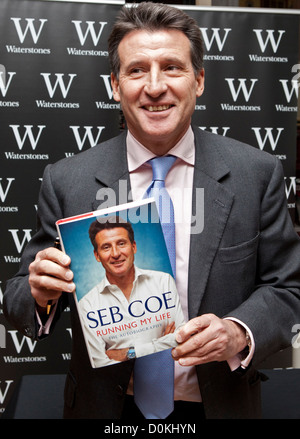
{"points": [[116, 263], [155, 108]]}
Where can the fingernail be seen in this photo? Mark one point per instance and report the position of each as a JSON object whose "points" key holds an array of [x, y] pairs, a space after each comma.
{"points": [[69, 275], [65, 260], [71, 287]]}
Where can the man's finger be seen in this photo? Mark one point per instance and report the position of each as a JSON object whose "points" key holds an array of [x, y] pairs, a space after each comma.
{"points": [[55, 255], [193, 327]]}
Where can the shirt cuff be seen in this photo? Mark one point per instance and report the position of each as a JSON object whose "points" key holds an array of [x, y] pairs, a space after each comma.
{"points": [[44, 329], [238, 360]]}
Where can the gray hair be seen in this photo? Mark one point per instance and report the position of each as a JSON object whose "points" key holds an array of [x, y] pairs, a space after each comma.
{"points": [[151, 17]]}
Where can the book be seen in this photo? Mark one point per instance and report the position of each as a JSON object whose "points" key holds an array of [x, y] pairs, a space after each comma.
{"points": [[125, 294]]}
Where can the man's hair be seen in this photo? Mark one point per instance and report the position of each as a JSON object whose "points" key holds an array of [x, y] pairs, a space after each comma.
{"points": [[106, 223], [152, 17]]}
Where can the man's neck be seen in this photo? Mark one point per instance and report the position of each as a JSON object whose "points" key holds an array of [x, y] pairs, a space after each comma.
{"points": [[160, 146], [124, 283]]}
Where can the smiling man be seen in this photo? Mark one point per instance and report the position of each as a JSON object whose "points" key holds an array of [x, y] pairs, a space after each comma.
{"points": [[127, 297], [115, 250], [238, 280], [157, 87]]}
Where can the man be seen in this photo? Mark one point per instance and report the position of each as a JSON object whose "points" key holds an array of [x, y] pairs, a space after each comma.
{"points": [[238, 279], [132, 312]]}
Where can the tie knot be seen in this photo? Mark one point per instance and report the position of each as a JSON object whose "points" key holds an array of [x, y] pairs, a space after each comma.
{"points": [[161, 166]]}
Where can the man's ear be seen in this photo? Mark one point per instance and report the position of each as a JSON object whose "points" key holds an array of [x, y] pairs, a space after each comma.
{"points": [[200, 83], [97, 256], [115, 87]]}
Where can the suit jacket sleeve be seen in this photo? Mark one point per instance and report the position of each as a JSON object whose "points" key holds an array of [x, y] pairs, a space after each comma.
{"points": [[18, 303], [273, 307]]}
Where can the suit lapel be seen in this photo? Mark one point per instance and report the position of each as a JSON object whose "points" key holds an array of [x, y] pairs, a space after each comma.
{"points": [[210, 168], [113, 176]]}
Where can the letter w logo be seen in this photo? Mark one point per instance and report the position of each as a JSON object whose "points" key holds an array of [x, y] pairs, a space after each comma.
{"points": [[26, 238], [59, 82], [3, 193], [268, 136], [87, 135], [89, 30], [30, 27], [19, 344], [28, 134], [270, 38], [4, 393], [294, 88], [242, 87], [215, 36], [3, 85]]}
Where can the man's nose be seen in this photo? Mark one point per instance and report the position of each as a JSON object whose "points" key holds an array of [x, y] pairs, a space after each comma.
{"points": [[156, 83], [115, 252]]}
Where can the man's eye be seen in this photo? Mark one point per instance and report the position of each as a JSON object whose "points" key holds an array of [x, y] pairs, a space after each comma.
{"points": [[136, 71], [172, 68]]}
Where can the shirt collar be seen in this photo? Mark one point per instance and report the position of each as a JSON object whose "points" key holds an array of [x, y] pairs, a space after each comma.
{"points": [[138, 154], [106, 285]]}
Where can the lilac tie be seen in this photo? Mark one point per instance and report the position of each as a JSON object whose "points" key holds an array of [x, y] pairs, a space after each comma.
{"points": [[154, 374]]}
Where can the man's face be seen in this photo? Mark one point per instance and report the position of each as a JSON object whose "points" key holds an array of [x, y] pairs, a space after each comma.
{"points": [[157, 87], [115, 252]]}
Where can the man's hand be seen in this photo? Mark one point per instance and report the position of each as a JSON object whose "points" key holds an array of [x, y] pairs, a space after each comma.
{"points": [[49, 275], [121, 354], [117, 354], [170, 328], [208, 338]]}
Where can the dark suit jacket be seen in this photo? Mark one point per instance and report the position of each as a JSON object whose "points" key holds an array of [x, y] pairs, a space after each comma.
{"points": [[244, 264]]}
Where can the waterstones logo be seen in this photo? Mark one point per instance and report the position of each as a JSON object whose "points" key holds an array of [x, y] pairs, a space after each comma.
{"points": [[20, 345], [60, 84], [107, 105], [267, 137], [19, 243], [87, 135], [240, 89], [31, 135], [3, 195], [290, 92], [4, 388], [290, 186], [28, 29], [90, 32], [4, 191], [268, 39], [5, 82], [216, 40]]}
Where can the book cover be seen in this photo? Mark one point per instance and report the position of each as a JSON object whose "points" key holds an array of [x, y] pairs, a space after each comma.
{"points": [[126, 295]]}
